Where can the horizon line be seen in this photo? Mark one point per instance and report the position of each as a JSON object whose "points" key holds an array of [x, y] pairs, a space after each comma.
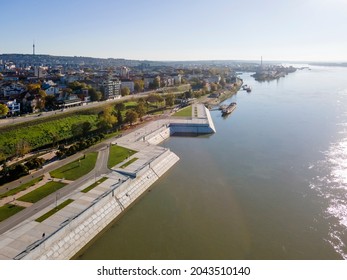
{"points": [[196, 60]]}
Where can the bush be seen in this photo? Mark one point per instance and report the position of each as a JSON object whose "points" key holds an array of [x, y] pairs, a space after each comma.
{"points": [[34, 163], [18, 171]]}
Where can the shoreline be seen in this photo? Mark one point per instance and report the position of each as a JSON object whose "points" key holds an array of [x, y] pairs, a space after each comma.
{"points": [[70, 229], [215, 101]]}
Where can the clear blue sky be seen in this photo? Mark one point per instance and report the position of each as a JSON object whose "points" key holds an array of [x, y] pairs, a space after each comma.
{"points": [[177, 30]]}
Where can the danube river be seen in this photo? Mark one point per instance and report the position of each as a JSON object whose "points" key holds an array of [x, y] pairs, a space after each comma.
{"points": [[270, 184]]}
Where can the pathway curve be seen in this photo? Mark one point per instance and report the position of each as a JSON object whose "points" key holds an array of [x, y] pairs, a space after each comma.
{"points": [[99, 169]]}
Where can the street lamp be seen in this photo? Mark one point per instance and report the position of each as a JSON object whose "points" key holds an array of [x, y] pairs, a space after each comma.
{"points": [[56, 199]]}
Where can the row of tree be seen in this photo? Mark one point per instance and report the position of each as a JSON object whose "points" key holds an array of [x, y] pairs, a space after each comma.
{"points": [[15, 171], [109, 119], [82, 144]]}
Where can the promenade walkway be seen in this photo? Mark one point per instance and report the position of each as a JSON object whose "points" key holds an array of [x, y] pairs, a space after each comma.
{"points": [[21, 232]]}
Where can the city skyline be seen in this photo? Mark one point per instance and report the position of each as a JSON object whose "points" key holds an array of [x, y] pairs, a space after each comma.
{"points": [[196, 30]]}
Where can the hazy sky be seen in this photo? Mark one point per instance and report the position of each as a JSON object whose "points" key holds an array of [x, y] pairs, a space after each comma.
{"points": [[177, 30]]}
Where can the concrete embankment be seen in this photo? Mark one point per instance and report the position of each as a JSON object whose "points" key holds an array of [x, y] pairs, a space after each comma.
{"points": [[75, 234], [65, 233]]}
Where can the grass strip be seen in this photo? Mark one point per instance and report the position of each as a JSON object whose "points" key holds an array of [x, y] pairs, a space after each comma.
{"points": [[54, 210], [92, 186], [118, 154], [9, 210], [77, 168], [41, 192], [129, 162], [21, 187], [185, 112]]}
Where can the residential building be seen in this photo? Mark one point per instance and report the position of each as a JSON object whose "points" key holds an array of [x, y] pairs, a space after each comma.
{"points": [[150, 79], [13, 89], [71, 100], [13, 106], [127, 83], [124, 72], [40, 71], [167, 81], [178, 79], [111, 88], [213, 79], [50, 87]]}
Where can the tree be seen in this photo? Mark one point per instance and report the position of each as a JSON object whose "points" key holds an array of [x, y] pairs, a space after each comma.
{"points": [[152, 98], [18, 171], [155, 84], [140, 109], [77, 85], [42, 94], [125, 91], [222, 82], [34, 163], [50, 101], [106, 119], [76, 129], [119, 108], [3, 110], [94, 95], [213, 87], [4, 170], [54, 137], [188, 94], [86, 127], [22, 147], [159, 99], [139, 85], [119, 118], [131, 116], [33, 88], [170, 100]]}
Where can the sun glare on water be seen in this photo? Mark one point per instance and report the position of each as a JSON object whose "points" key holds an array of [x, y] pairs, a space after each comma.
{"points": [[332, 183]]}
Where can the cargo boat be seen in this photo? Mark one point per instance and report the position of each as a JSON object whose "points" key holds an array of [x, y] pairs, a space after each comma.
{"points": [[247, 88], [229, 109]]}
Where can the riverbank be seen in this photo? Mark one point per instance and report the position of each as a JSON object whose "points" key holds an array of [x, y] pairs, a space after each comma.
{"points": [[64, 233], [216, 99]]}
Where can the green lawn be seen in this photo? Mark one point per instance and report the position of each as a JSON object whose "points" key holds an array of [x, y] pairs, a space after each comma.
{"points": [[92, 186], [41, 192], [40, 132], [185, 112], [21, 187], [76, 169], [8, 210], [129, 162], [54, 210], [118, 154]]}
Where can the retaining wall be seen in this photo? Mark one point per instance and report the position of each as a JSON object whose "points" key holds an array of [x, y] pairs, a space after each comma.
{"points": [[70, 238]]}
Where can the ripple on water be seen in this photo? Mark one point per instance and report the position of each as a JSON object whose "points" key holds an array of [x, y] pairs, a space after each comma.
{"points": [[332, 185]]}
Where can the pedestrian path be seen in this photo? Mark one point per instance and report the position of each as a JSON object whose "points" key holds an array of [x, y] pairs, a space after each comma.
{"points": [[87, 213], [11, 199]]}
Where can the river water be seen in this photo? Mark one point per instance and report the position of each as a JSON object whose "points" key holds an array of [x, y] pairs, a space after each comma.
{"points": [[270, 184]]}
